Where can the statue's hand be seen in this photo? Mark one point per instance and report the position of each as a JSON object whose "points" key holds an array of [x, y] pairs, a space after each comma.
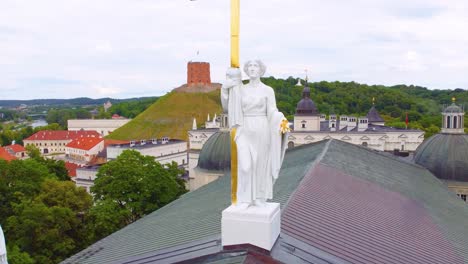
{"points": [[229, 83], [233, 78], [284, 126]]}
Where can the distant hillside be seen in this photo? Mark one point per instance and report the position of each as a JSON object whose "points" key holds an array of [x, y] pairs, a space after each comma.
{"points": [[75, 101], [171, 115]]}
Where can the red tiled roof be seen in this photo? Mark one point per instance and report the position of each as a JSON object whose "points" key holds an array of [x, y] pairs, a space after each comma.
{"points": [[16, 148], [5, 155], [71, 168], [85, 143], [62, 134], [108, 142]]}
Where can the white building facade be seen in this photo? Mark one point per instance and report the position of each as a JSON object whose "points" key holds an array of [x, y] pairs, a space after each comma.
{"points": [[103, 126]]}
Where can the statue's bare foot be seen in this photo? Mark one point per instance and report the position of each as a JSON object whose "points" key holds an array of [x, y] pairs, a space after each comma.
{"points": [[242, 206], [261, 202]]}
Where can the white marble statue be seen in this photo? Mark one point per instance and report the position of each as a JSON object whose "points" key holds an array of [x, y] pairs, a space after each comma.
{"points": [[261, 142], [3, 253]]}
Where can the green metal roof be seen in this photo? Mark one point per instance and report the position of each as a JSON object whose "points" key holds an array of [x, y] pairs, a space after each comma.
{"points": [[194, 216]]}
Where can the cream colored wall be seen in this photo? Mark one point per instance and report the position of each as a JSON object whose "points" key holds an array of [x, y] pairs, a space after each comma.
{"points": [[102, 126], [54, 146], [164, 153], [312, 123], [80, 154], [197, 138], [85, 178], [387, 141], [203, 177]]}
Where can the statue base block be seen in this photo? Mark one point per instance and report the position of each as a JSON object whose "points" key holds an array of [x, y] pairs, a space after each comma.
{"points": [[256, 225]]}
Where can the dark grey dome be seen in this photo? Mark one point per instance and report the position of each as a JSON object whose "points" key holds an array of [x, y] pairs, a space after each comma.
{"points": [[445, 155], [373, 116], [216, 152], [306, 106], [453, 108]]}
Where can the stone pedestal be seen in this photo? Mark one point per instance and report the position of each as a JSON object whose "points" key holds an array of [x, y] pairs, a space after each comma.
{"points": [[256, 225]]}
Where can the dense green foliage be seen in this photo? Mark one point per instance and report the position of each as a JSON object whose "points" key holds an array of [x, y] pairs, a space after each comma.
{"points": [[39, 212], [131, 109], [81, 101], [61, 116], [46, 218], [422, 105], [130, 187]]}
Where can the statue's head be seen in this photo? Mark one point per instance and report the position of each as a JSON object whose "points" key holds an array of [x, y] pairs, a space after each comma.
{"points": [[254, 68]]}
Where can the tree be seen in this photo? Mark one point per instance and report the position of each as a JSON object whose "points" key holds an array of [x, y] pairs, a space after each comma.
{"points": [[51, 226], [132, 186], [56, 167]]}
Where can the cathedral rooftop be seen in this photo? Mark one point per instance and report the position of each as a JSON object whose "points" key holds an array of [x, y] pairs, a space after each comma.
{"points": [[341, 203]]}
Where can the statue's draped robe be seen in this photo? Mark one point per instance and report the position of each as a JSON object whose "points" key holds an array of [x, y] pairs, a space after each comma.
{"points": [[3, 253], [260, 144]]}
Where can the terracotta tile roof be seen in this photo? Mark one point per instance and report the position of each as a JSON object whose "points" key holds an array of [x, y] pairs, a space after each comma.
{"points": [[85, 143], [16, 148], [62, 134], [108, 142], [71, 168], [5, 155]]}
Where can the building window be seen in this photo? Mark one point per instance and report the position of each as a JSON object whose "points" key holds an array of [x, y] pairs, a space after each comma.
{"points": [[454, 122], [333, 125], [364, 144], [448, 121], [402, 147], [303, 125]]}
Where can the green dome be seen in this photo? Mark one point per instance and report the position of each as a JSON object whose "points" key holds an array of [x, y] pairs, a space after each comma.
{"points": [[445, 155], [453, 108], [216, 152]]}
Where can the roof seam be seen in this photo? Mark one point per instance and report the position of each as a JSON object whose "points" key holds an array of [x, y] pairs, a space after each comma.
{"points": [[312, 166]]}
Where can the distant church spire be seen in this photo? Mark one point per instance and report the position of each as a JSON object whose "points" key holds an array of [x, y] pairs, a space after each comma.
{"points": [[453, 119]]}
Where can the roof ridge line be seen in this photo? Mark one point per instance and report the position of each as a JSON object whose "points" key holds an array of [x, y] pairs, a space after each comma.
{"points": [[312, 166], [383, 155]]}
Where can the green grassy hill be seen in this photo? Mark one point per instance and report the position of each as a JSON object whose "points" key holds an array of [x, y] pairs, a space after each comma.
{"points": [[171, 115]]}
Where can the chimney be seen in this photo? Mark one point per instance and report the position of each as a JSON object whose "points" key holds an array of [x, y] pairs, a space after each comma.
{"points": [[363, 124], [343, 122], [332, 123], [351, 123]]}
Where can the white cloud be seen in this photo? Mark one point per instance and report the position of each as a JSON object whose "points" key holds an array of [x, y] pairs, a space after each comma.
{"points": [[142, 46]]}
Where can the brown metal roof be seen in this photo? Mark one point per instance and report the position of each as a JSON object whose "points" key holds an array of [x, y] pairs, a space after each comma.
{"points": [[361, 222]]}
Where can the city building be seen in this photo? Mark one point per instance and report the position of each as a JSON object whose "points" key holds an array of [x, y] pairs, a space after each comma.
{"points": [[340, 203], [309, 126], [369, 131], [85, 176], [5, 155], [16, 150], [446, 154], [103, 126], [55, 141], [84, 149], [107, 105], [164, 151]]}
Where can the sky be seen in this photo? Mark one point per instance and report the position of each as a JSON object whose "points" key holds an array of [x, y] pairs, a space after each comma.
{"points": [[134, 48]]}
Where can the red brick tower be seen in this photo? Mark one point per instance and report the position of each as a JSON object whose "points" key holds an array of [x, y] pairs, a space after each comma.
{"points": [[198, 73]]}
